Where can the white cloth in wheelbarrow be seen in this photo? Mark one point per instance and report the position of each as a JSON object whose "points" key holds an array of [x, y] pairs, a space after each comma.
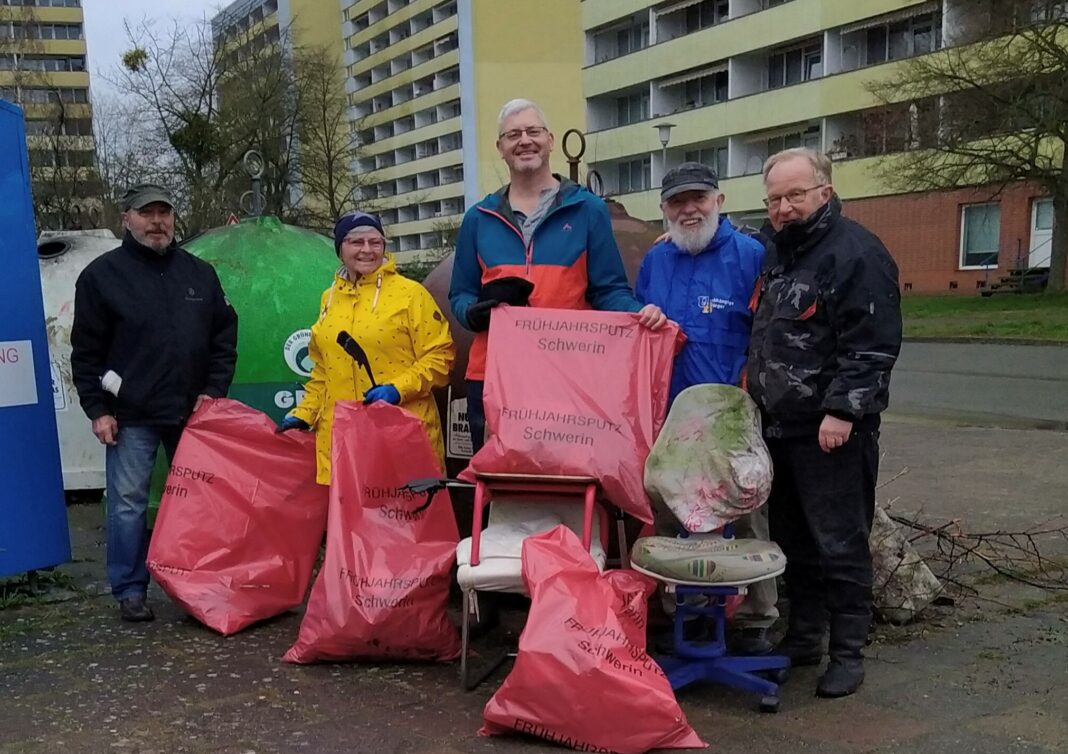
{"points": [[709, 466]]}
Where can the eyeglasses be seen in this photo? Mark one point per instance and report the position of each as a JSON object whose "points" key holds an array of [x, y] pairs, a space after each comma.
{"points": [[375, 244], [534, 132], [794, 197]]}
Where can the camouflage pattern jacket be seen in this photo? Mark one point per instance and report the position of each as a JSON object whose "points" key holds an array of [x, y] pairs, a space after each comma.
{"points": [[827, 326]]}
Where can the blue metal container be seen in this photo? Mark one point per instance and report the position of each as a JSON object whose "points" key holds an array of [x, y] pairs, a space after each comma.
{"points": [[33, 514]]}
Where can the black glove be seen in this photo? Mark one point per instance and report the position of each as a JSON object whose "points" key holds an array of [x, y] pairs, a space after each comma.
{"points": [[512, 291], [478, 315], [292, 422]]}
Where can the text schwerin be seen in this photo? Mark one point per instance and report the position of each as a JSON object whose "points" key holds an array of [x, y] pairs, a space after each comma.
{"points": [[634, 659], [562, 345]]}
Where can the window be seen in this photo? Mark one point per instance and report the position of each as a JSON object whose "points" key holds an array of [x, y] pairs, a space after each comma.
{"points": [[979, 235], [902, 39], [794, 66], [1044, 214], [634, 175], [632, 39], [632, 108], [900, 127], [714, 157], [707, 90], [706, 13], [810, 138]]}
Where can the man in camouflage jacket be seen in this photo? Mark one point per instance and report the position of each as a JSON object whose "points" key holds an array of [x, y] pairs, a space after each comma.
{"points": [[826, 333]]}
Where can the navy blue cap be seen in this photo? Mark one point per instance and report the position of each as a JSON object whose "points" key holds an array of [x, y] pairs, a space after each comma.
{"points": [[351, 221]]}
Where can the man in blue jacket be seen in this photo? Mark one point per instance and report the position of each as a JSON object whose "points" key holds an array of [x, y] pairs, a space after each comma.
{"points": [[702, 276], [541, 241]]}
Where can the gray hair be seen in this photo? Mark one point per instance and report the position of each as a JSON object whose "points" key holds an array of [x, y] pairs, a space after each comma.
{"points": [[512, 107], [821, 163]]}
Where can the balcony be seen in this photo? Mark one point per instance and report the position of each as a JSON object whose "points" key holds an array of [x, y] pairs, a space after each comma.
{"points": [[621, 38], [688, 17], [895, 36], [773, 27], [799, 103]]}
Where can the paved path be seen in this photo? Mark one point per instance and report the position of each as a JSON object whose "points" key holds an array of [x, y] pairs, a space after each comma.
{"points": [[989, 384], [978, 679]]}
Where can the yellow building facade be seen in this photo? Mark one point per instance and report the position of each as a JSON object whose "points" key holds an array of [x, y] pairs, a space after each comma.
{"points": [[736, 80], [44, 70]]}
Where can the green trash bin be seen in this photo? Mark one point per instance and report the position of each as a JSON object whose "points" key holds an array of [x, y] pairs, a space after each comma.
{"points": [[273, 274]]}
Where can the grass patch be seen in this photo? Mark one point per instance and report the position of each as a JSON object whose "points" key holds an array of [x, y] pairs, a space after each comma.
{"points": [[25, 590], [1041, 317]]}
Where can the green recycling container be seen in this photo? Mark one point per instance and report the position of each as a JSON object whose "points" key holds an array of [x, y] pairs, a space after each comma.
{"points": [[273, 274]]}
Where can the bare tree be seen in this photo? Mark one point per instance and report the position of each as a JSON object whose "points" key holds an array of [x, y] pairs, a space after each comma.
{"points": [[1001, 91], [58, 129], [329, 143], [208, 102], [126, 154]]}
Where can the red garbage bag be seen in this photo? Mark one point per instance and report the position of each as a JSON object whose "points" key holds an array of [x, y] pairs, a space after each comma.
{"points": [[384, 585], [241, 518], [576, 393], [582, 677]]}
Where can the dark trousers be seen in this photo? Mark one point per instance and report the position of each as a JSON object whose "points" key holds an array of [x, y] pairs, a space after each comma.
{"points": [[821, 510], [476, 414]]}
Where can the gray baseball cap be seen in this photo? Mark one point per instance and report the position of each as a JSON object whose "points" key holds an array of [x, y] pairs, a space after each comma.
{"points": [[689, 176], [144, 194]]}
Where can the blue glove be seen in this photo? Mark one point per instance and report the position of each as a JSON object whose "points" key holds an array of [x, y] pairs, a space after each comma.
{"points": [[386, 393], [292, 422]]}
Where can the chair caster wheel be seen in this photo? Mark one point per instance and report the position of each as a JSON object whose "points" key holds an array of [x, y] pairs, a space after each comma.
{"points": [[769, 704]]}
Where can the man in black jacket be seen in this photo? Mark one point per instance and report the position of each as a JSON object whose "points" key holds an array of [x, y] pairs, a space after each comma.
{"points": [[826, 333], [153, 336]]}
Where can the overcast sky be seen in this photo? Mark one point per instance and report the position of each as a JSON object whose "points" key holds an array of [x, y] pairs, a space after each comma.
{"points": [[106, 37]]}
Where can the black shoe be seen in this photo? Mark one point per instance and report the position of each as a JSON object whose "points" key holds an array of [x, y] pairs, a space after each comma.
{"points": [[135, 610], [845, 672], [751, 641]]}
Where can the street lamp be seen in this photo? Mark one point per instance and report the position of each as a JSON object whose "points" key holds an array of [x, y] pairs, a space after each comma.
{"points": [[663, 131]]}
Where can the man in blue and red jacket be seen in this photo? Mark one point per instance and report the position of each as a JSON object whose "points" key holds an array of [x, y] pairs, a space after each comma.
{"points": [[541, 241]]}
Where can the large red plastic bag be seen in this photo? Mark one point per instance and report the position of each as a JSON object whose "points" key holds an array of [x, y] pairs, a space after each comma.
{"points": [[582, 677], [384, 586], [710, 465], [241, 519], [577, 393]]}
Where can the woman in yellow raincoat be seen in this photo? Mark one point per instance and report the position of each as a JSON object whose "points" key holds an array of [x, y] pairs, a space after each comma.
{"points": [[396, 323]]}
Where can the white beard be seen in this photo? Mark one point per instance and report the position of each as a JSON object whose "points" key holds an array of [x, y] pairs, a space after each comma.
{"points": [[697, 238]]}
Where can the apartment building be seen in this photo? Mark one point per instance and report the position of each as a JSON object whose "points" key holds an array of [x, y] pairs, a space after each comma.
{"points": [[259, 23], [729, 82], [43, 69], [426, 80]]}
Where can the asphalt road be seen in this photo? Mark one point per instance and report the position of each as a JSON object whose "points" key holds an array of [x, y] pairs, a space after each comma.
{"points": [[984, 384]]}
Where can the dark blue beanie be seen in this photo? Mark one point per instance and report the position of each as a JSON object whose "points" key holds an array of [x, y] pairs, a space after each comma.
{"points": [[346, 223]]}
